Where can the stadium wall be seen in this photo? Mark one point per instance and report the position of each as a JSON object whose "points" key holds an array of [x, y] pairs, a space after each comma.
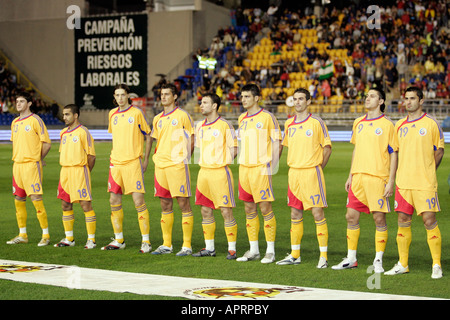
{"points": [[34, 35]]}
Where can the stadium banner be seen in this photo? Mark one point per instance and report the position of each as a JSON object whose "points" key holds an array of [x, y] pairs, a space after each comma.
{"points": [[110, 50]]}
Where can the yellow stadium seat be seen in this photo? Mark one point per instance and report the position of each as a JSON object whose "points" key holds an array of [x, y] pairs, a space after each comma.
{"points": [[333, 108], [290, 91]]}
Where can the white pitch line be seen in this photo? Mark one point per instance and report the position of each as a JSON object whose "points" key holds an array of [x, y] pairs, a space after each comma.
{"points": [[74, 277]]}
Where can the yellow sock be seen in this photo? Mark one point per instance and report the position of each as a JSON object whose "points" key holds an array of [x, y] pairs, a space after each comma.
{"points": [[68, 219], [270, 226], [296, 237], [144, 222], [353, 232], [42, 217], [322, 237], [404, 237], [21, 215], [117, 221], [209, 228], [381, 236], [231, 230], [91, 224], [166, 227], [252, 220], [435, 243], [187, 224]]}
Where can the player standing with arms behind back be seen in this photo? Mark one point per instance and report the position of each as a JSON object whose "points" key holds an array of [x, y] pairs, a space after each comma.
{"points": [[173, 129], [260, 151], [31, 144], [309, 148], [77, 159], [372, 177], [129, 129], [217, 141], [421, 148]]}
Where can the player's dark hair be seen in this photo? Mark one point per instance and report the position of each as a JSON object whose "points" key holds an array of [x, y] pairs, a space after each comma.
{"points": [[73, 108], [253, 88], [381, 95], [416, 90], [127, 90], [26, 95], [172, 88], [305, 91], [214, 99]]}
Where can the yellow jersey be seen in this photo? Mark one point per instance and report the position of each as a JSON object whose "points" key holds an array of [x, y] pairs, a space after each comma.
{"points": [[128, 129], [75, 146], [257, 132], [418, 140], [27, 135], [173, 132], [305, 141], [215, 141], [374, 141]]}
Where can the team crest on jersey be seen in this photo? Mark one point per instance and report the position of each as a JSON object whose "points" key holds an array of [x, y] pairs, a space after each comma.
{"points": [[259, 125], [130, 120], [378, 131], [216, 133], [395, 204], [174, 122], [422, 131], [75, 139], [27, 128], [309, 133]]}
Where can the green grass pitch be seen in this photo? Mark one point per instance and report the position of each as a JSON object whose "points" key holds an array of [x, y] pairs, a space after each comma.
{"points": [[418, 282]]}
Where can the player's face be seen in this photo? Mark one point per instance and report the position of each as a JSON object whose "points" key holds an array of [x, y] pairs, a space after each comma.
{"points": [[22, 104], [412, 101], [300, 102], [206, 107], [373, 100], [248, 99], [167, 97], [68, 117], [121, 97]]}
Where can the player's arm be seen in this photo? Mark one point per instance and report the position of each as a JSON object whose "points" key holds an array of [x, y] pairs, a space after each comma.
{"points": [[389, 189], [277, 150], [148, 148], [326, 155], [191, 141], [438, 155], [91, 161], [44, 150], [348, 183]]}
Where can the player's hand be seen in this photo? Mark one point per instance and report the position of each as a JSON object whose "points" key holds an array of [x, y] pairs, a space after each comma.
{"points": [[388, 190], [145, 165], [348, 183]]}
